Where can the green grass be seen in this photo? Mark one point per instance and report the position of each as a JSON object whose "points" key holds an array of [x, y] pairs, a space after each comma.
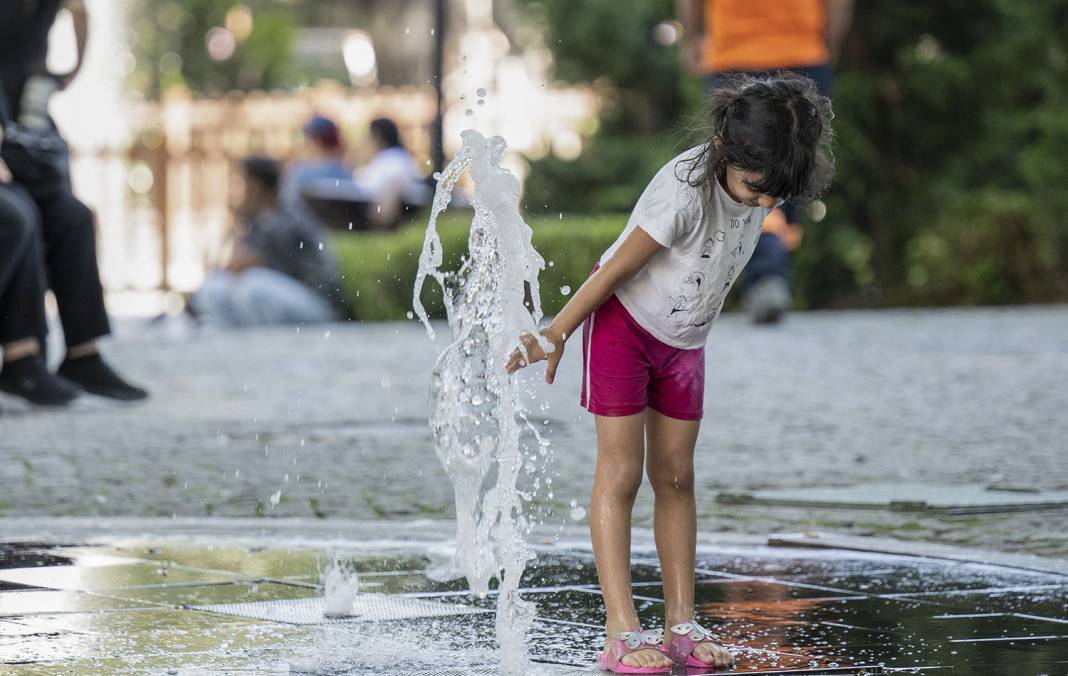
{"points": [[379, 268]]}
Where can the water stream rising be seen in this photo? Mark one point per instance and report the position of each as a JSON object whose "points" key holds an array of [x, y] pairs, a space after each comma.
{"points": [[474, 403]]}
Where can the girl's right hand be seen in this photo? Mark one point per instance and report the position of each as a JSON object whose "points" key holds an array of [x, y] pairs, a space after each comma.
{"points": [[536, 353]]}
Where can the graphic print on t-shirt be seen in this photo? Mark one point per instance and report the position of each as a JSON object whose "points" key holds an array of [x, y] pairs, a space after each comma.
{"points": [[688, 298], [710, 243], [688, 307]]}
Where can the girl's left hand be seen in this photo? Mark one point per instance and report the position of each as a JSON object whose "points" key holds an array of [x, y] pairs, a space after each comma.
{"points": [[536, 353]]}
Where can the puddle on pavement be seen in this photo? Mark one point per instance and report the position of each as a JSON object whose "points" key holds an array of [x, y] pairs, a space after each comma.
{"points": [[140, 605]]}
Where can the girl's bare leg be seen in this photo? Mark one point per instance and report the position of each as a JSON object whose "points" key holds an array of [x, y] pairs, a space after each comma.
{"points": [[669, 463], [620, 452]]}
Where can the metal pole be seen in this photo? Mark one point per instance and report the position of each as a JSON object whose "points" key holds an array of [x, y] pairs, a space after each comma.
{"points": [[437, 129]]}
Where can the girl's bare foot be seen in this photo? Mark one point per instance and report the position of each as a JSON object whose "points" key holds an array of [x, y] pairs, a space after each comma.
{"points": [[647, 658], [701, 646], [713, 653]]}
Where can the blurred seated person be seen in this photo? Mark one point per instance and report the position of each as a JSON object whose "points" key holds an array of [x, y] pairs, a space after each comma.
{"points": [[47, 236], [280, 271], [22, 312], [322, 159], [392, 178], [388, 182]]}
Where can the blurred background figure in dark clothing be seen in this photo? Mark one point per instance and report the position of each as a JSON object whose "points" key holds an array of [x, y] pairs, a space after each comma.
{"points": [[281, 270], [726, 37], [37, 197]]}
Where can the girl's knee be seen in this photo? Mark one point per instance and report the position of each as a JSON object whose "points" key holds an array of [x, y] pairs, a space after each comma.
{"points": [[668, 479], [622, 481]]}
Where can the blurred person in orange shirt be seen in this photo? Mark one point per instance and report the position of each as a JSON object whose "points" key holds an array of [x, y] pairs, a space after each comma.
{"points": [[727, 37]]}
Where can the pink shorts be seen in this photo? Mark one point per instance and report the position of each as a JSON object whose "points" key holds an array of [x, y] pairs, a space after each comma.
{"points": [[625, 369]]}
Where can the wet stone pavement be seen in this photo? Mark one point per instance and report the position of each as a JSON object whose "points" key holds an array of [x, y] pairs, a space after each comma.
{"points": [[214, 604], [331, 422]]}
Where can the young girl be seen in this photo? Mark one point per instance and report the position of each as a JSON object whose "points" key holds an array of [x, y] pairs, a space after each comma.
{"points": [[647, 308]]}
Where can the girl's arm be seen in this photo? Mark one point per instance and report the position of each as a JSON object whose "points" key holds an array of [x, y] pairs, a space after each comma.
{"points": [[632, 256]]}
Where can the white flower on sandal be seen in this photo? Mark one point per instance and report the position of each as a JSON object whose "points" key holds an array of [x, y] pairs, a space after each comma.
{"points": [[695, 631], [634, 639]]}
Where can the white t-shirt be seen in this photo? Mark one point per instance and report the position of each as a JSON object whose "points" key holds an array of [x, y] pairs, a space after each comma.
{"points": [[709, 239], [392, 172]]}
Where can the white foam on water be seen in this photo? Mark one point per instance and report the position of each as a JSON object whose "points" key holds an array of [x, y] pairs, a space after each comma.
{"points": [[474, 403]]}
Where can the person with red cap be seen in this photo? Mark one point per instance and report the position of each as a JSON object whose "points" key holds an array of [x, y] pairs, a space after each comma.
{"points": [[323, 158]]}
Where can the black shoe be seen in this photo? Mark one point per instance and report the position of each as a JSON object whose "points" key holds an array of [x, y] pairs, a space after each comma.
{"points": [[94, 376], [29, 378]]}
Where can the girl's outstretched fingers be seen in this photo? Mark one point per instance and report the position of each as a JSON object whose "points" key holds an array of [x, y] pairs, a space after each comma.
{"points": [[515, 362], [548, 345], [533, 354]]}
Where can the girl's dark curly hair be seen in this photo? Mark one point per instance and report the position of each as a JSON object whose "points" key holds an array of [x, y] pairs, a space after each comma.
{"points": [[776, 125]]}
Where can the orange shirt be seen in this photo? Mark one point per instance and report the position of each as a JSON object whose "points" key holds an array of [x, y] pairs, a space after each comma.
{"points": [[764, 34]]}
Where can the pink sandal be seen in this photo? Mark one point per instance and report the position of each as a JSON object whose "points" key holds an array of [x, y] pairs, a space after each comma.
{"points": [[686, 637], [625, 643]]}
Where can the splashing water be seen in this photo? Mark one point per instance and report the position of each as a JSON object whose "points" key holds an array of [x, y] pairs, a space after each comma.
{"points": [[474, 403], [341, 585]]}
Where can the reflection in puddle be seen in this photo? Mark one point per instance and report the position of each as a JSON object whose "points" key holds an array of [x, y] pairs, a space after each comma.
{"points": [[782, 611]]}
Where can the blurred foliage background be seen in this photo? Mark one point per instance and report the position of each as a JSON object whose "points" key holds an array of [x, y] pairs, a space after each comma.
{"points": [[952, 124], [952, 127]]}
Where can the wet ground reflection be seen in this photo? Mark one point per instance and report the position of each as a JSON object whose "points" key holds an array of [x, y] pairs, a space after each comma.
{"points": [[150, 606]]}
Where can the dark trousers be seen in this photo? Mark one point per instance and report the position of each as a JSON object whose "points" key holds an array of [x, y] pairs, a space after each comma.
{"points": [[57, 247], [770, 257], [22, 279]]}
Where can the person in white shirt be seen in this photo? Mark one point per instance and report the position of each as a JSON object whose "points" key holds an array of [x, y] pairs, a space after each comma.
{"points": [[392, 178]]}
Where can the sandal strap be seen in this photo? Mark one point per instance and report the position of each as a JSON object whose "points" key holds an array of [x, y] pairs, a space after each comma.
{"points": [[686, 637], [693, 631]]}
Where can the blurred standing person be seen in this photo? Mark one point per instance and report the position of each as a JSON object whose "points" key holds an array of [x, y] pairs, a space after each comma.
{"points": [[726, 37], [322, 158], [40, 193], [280, 271]]}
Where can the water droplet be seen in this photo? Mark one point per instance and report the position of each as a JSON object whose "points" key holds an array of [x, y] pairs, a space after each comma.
{"points": [[565, 290], [578, 512], [482, 102], [480, 91], [469, 112], [410, 314], [276, 498]]}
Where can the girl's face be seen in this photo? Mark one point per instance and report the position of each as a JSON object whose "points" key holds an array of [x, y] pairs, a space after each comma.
{"points": [[739, 185]]}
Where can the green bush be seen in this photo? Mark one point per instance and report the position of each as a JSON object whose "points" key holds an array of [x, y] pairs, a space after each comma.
{"points": [[379, 268], [988, 248]]}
